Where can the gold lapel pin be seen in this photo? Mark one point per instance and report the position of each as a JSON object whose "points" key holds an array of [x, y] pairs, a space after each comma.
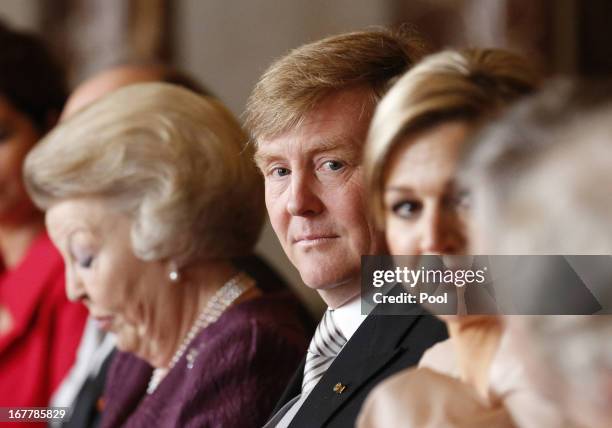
{"points": [[339, 388]]}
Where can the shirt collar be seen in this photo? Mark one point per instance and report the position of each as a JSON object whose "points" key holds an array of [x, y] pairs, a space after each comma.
{"points": [[348, 317]]}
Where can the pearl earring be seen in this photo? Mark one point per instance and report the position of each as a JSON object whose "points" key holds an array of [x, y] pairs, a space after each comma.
{"points": [[174, 274]]}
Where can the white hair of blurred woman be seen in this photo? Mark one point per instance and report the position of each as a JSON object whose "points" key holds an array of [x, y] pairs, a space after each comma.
{"points": [[540, 183]]}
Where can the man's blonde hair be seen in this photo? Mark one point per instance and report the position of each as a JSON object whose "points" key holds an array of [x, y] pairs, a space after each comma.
{"points": [[451, 85], [296, 83]]}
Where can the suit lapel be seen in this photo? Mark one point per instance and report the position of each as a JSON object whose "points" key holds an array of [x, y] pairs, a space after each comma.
{"points": [[372, 347]]}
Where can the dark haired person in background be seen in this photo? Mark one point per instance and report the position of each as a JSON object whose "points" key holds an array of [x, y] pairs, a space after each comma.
{"points": [[39, 328]]}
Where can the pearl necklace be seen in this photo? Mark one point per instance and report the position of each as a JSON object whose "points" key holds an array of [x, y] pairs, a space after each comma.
{"points": [[218, 303]]}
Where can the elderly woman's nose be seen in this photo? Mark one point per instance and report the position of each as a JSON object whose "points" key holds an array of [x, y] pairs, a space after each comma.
{"points": [[75, 289]]}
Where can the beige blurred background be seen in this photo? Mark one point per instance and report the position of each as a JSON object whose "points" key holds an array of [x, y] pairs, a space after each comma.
{"points": [[227, 44]]}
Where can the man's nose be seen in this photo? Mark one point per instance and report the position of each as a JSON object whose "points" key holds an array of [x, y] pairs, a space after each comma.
{"points": [[303, 200]]}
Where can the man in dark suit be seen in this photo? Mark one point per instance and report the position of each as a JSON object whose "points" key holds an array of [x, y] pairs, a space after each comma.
{"points": [[308, 116]]}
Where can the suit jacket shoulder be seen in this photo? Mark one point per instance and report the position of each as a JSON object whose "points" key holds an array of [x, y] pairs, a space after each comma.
{"points": [[382, 346]]}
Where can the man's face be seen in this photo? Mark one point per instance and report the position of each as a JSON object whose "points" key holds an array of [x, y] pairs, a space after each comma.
{"points": [[315, 194]]}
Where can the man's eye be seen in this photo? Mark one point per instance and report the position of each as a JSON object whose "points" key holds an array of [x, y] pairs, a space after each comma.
{"points": [[334, 165], [406, 209], [280, 172]]}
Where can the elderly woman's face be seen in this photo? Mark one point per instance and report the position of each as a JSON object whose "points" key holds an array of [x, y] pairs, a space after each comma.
{"points": [[423, 212], [17, 136], [122, 292]]}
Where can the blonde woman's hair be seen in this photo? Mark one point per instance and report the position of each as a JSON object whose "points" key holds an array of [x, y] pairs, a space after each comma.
{"points": [[175, 161], [296, 83], [451, 85]]}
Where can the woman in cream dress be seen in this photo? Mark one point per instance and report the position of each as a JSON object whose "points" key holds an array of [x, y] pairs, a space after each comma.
{"points": [[414, 145]]}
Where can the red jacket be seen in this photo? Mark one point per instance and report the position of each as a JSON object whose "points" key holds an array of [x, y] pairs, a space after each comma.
{"points": [[40, 348]]}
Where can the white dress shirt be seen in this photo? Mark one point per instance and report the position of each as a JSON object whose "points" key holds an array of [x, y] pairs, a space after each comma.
{"points": [[348, 317]]}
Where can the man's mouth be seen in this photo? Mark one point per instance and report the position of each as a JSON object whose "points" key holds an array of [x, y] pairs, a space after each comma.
{"points": [[312, 240]]}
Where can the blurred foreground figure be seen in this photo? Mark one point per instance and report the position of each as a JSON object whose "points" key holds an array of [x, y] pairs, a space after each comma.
{"points": [[39, 328], [541, 182], [150, 193]]}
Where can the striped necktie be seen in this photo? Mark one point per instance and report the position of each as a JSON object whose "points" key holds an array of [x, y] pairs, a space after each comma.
{"points": [[326, 343]]}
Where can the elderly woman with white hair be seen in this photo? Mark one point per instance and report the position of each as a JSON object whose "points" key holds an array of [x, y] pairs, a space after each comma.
{"points": [[540, 180], [149, 193]]}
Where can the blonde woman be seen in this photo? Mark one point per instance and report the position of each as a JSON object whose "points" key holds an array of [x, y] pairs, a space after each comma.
{"points": [[149, 193], [561, 150], [415, 141]]}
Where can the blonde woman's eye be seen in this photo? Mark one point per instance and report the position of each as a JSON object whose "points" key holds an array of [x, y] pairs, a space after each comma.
{"points": [[406, 209]]}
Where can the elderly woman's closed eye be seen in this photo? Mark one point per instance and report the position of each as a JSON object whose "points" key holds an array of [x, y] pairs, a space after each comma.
{"points": [[150, 193]]}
